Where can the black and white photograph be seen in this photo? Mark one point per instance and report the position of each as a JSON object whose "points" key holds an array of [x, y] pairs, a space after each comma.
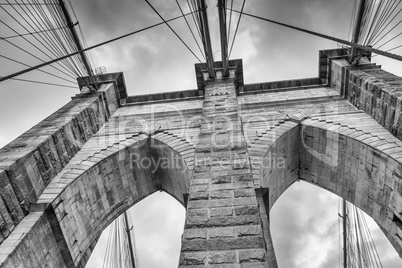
{"points": [[200, 133]]}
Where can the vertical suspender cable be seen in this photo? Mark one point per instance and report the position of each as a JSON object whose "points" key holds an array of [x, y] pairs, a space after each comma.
{"points": [[202, 7], [130, 243], [78, 43], [356, 32], [359, 239], [345, 237], [224, 40]]}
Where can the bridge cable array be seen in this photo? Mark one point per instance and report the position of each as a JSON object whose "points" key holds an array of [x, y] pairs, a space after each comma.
{"points": [[189, 27], [360, 248], [43, 28], [378, 24], [4, 78], [352, 19], [170, 27], [237, 25], [230, 16], [51, 30], [338, 40], [121, 251], [382, 24], [192, 5]]}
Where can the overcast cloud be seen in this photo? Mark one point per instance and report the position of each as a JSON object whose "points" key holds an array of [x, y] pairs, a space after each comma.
{"points": [[305, 234]]}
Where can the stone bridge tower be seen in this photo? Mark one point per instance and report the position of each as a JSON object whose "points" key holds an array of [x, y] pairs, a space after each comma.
{"points": [[226, 151]]}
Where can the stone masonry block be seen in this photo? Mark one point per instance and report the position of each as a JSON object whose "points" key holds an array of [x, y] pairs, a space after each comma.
{"points": [[222, 244], [252, 256], [195, 234], [221, 232], [222, 257], [192, 258], [214, 212]]}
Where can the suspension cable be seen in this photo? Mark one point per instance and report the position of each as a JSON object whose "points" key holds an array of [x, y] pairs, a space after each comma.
{"points": [[237, 27], [86, 49], [372, 26], [68, 44], [192, 33], [339, 40], [41, 50], [378, 35], [371, 242], [230, 17], [167, 24], [386, 13], [14, 4], [42, 82], [26, 65], [38, 21], [194, 16], [352, 19], [120, 252], [30, 33], [339, 234]]}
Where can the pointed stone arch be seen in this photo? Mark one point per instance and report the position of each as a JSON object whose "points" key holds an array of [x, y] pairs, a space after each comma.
{"points": [[102, 181], [350, 155]]}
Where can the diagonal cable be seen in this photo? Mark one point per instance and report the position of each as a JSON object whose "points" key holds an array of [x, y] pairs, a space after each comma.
{"points": [[190, 7], [10, 59], [36, 38], [383, 18], [30, 33], [32, 45], [42, 83], [192, 33], [68, 44], [86, 49], [237, 27], [335, 39], [230, 18], [184, 43], [378, 13], [38, 21], [196, 21], [378, 36]]}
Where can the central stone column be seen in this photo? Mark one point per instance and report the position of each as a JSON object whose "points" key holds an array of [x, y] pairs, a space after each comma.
{"points": [[223, 226]]}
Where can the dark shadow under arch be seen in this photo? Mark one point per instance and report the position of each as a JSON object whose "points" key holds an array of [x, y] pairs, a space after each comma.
{"points": [[325, 158], [104, 191]]}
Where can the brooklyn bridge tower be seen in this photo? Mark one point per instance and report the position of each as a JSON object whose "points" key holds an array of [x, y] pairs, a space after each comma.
{"points": [[226, 151]]}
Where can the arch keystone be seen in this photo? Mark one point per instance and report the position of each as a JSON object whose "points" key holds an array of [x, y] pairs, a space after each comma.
{"points": [[296, 117]]}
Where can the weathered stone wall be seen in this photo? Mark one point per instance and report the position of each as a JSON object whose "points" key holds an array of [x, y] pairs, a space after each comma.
{"points": [[230, 157], [373, 90], [103, 179], [29, 163], [354, 157], [38, 235], [223, 226]]}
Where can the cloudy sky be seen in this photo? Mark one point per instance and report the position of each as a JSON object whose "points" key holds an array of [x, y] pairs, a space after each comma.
{"points": [[155, 61]]}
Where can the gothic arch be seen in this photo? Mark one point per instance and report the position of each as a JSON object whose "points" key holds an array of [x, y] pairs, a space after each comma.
{"points": [[117, 184], [326, 149], [93, 191]]}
